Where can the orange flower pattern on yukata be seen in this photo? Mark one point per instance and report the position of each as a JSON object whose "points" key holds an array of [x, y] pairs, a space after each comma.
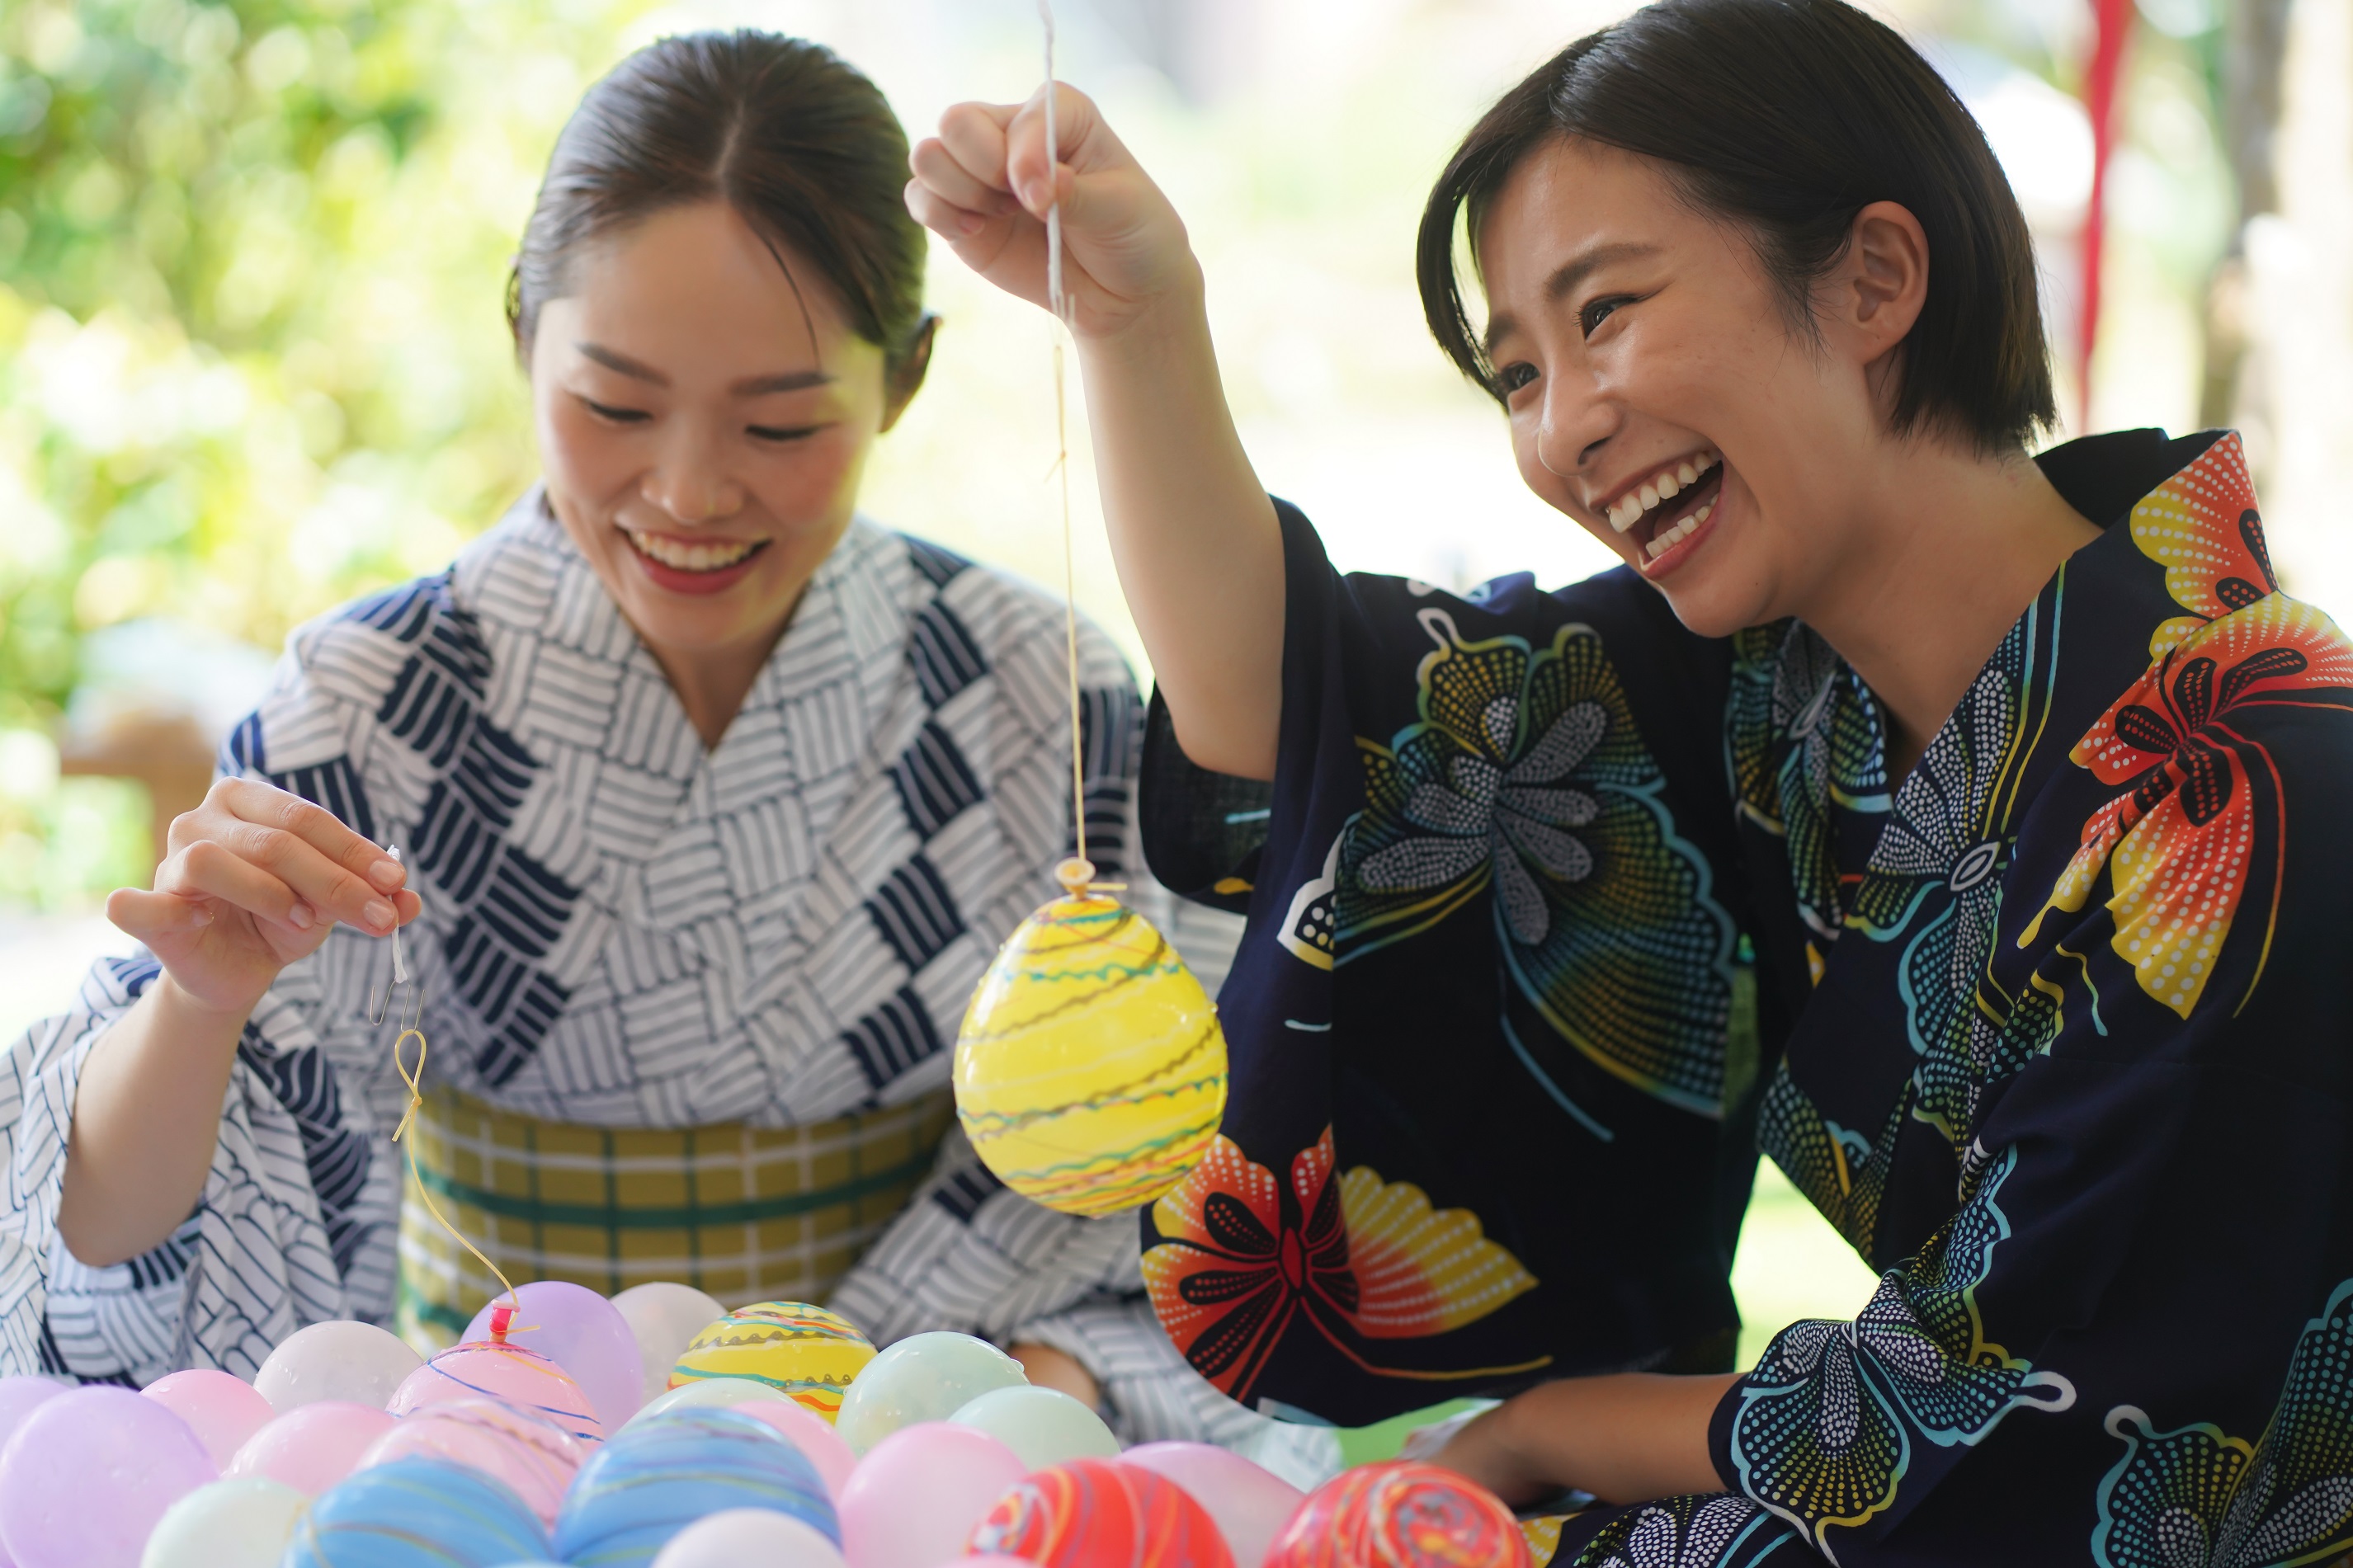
{"points": [[1241, 1255], [2179, 843]]}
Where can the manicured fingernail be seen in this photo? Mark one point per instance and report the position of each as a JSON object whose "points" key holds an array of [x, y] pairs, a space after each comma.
{"points": [[386, 874], [1038, 195], [971, 223], [298, 916], [379, 914]]}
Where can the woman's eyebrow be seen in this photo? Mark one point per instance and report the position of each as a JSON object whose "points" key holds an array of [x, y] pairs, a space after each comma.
{"points": [[1566, 277], [750, 386], [622, 363], [1570, 274], [783, 381]]}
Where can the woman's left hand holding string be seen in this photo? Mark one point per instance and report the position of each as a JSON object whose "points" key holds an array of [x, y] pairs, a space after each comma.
{"points": [[255, 878]]}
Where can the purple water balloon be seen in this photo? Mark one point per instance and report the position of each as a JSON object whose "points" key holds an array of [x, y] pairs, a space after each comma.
{"points": [[88, 1473], [585, 1336], [19, 1396]]}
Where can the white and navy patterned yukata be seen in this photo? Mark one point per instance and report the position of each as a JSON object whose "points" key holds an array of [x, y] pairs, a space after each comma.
{"points": [[623, 929]]}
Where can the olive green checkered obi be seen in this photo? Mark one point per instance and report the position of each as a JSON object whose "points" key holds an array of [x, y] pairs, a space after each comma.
{"points": [[748, 1214]]}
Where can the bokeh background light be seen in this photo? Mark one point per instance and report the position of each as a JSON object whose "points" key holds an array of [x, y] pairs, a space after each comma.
{"points": [[252, 361]]}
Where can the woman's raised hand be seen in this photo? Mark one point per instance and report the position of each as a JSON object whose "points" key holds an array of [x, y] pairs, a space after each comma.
{"points": [[985, 182], [1195, 537], [255, 878]]}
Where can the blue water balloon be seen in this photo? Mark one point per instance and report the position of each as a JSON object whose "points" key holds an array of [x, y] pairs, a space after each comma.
{"points": [[653, 1479], [413, 1511]]}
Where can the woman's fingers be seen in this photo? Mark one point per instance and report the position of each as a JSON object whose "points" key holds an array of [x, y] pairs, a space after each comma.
{"points": [[321, 867], [316, 826], [1124, 247], [942, 216], [209, 869], [971, 135], [938, 171], [155, 917], [1084, 145]]}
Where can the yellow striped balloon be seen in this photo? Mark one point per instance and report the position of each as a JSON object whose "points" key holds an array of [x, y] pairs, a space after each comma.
{"points": [[1091, 1072], [796, 1349]]}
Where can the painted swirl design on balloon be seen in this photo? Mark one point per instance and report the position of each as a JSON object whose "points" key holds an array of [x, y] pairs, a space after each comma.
{"points": [[1095, 1514], [1401, 1515], [508, 1374], [796, 1349], [1090, 1071]]}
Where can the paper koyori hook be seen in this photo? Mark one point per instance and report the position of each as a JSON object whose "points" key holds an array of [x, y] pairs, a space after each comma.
{"points": [[1089, 1072], [412, 1026]]}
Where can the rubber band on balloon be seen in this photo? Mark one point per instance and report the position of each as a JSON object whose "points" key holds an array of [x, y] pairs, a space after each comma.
{"points": [[414, 1079]]}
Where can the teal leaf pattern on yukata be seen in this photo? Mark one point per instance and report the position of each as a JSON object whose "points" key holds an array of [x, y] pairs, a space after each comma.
{"points": [[2197, 1498], [1524, 775], [1829, 1420], [1705, 1530]]}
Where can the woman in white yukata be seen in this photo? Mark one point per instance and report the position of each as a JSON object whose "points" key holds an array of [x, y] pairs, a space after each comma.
{"points": [[714, 800]]}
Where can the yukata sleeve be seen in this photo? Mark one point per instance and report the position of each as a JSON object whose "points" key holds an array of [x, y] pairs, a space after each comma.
{"points": [[295, 1223], [1498, 825]]}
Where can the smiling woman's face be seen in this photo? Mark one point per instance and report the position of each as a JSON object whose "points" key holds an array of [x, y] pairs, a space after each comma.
{"points": [[1658, 394], [703, 438]]}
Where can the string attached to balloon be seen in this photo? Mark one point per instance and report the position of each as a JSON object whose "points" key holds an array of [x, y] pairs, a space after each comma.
{"points": [[1077, 874], [412, 1026], [1089, 1072]]}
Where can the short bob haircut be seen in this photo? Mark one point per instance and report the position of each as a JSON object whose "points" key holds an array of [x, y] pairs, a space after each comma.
{"points": [[1787, 117]]}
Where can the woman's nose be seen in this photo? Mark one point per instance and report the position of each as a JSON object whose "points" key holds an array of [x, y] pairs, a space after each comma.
{"points": [[691, 486], [1573, 425]]}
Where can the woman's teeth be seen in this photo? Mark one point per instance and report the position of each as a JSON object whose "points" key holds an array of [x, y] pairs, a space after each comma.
{"points": [[1665, 485], [691, 557], [1677, 534]]}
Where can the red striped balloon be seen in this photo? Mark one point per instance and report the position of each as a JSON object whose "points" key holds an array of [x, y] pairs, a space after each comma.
{"points": [[1094, 1513], [1401, 1515]]}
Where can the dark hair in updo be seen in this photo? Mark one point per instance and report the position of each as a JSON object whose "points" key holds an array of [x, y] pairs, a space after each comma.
{"points": [[1788, 117], [800, 144]]}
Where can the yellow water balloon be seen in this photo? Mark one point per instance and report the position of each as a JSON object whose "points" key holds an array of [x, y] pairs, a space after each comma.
{"points": [[1090, 1071]]}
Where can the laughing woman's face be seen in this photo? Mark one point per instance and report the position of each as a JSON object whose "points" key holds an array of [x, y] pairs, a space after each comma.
{"points": [[1659, 395], [701, 429]]}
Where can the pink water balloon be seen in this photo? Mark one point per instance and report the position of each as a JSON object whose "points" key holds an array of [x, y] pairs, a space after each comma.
{"points": [[582, 1332], [312, 1446], [487, 1369], [88, 1473], [812, 1433], [915, 1498], [1250, 1503], [222, 1409], [536, 1457]]}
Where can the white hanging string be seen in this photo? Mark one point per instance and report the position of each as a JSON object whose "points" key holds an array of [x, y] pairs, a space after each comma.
{"points": [[1077, 873]]}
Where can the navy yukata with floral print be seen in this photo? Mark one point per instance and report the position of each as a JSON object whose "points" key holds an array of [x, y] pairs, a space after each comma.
{"points": [[1558, 912]]}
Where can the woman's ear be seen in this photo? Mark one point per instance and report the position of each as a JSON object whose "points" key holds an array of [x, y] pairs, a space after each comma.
{"points": [[902, 381], [1882, 284]]}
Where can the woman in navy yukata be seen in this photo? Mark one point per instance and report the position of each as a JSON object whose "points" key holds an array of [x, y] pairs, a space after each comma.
{"points": [[1960, 826]]}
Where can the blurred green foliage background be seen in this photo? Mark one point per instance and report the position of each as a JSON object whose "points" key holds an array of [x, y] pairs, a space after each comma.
{"points": [[252, 355], [248, 249]]}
